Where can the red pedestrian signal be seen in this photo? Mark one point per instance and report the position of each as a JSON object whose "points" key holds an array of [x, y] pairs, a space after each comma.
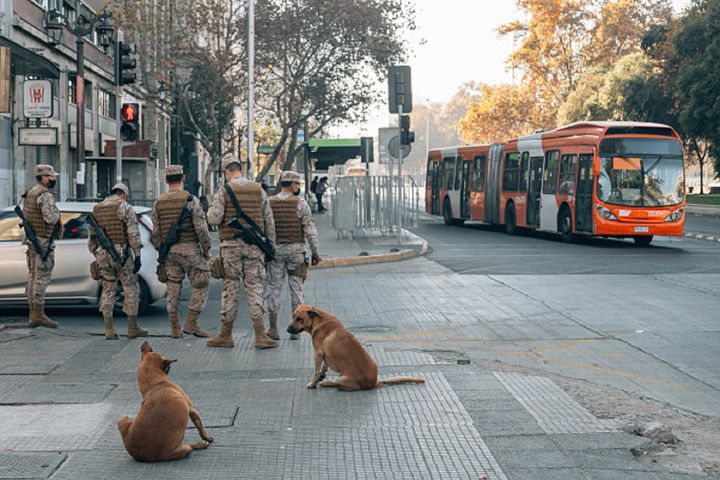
{"points": [[130, 116]]}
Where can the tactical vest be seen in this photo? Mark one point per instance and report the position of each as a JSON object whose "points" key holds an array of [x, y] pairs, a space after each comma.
{"points": [[288, 228], [249, 197], [107, 214], [168, 209], [32, 212]]}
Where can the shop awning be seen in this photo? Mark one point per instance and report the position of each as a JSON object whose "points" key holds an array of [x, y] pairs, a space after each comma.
{"points": [[26, 62]]}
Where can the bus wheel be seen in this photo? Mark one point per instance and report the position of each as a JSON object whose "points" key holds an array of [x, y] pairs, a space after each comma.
{"points": [[565, 227], [643, 240], [447, 215], [510, 222]]}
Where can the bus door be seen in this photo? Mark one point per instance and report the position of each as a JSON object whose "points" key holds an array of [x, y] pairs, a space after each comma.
{"points": [[465, 189], [584, 199], [435, 193], [548, 199], [534, 191]]}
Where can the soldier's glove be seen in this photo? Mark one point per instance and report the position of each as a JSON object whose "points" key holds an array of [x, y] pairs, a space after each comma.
{"points": [[138, 264], [315, 258]]}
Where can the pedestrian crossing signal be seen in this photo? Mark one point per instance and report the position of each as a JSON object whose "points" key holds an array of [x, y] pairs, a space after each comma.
{"points": [[130, 116]]}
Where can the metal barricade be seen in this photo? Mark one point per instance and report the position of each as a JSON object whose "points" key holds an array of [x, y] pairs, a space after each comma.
{"points": [[381, 204]]}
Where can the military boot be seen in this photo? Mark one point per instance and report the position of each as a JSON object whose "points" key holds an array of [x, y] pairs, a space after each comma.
{"points": [[192, 326], [175, 331], [134, 330], [225, 339], [110, 332], [262, 340], [273, 331], [39, 319]]}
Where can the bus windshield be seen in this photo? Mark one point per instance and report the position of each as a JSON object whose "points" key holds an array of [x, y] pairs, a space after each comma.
{"points": [[641, 172]]}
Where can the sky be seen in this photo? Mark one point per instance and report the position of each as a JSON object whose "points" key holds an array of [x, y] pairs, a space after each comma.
{"points": [[439, 66]]}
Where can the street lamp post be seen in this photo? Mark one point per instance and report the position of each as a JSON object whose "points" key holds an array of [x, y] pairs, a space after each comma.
{"points": [[81, 27]]}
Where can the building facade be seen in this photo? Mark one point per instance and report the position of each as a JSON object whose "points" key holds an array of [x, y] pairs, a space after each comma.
{"points": [[24, 37]]}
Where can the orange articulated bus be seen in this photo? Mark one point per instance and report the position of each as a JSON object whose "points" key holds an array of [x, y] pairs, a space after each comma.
{"points": [[608, 179]]}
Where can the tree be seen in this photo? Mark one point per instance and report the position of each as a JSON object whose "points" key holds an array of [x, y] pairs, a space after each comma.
{"points": [[191, 54], [503, 112], [601, 91], [320, 62], [697, 43], [456, 109]]}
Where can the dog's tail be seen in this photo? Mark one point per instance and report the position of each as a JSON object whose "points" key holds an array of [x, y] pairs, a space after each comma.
{"points": [[398, 380]]}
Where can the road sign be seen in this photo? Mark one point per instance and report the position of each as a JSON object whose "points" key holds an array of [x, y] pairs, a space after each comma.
{"points": [[265, 149], [300, 136], [38, 136], [393, 145], [37, 98]]}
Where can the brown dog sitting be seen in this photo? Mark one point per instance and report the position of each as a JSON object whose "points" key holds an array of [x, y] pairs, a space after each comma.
{"points": [[158, 432], [336, 348]]}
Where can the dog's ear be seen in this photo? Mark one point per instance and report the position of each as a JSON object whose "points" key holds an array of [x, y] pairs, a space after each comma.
{"points": [[313, 313], [145, 348], [166, 364]]}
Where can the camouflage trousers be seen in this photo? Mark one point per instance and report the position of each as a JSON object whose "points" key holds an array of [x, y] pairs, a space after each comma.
{"points": [[282, 265], [110, 273], [187, 259], [247, 264], [39, 273]]}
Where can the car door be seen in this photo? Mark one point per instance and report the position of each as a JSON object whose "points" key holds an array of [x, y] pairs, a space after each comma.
{"points": [[71, 275], [12, 257]]}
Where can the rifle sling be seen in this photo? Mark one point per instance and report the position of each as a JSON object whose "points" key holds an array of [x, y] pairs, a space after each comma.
{"points": [[239, 212]]}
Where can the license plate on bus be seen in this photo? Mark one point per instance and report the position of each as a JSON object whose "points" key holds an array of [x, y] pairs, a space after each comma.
{"points": [[642, 229]]}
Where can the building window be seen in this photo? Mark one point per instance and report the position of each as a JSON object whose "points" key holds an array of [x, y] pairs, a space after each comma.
{"points": [[72, 91], [41, 3], [106, 104]]}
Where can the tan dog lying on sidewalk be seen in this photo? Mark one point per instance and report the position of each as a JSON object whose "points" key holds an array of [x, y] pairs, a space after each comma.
{"points": [[337, 348], [158, 432]]}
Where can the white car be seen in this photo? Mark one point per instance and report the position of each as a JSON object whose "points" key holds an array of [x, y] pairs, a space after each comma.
{"points": [[71, 282]]}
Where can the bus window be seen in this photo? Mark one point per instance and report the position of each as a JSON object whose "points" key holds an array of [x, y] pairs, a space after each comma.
{"points": [[524, 172], [429, 174], [552, 161], [510, 174], [568, 165], [458, 173], [449, 169], [479, 173]]}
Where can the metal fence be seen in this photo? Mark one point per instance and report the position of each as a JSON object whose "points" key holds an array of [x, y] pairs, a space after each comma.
{"points": [[383, 204]]}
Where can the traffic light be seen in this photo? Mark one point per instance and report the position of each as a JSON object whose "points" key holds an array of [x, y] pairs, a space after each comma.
{"points": [[130, 116], [400, 89], [406, 136], [125, 64]]}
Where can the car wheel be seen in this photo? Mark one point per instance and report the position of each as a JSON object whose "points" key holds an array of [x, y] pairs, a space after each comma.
{"points": [[510, 223], [143, 304], [643, 240]]}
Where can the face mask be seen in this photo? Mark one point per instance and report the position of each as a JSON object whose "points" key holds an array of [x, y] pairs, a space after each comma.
{"points": [[51, 183]]}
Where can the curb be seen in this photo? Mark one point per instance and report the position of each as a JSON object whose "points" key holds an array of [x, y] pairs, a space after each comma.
{"points": [[701, 236], [370, 259], [703, 210]]}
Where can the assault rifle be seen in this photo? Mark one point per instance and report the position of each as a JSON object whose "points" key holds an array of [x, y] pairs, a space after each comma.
{"points": [[30, 235], [252, 235], [173, 235], [104, 240]]}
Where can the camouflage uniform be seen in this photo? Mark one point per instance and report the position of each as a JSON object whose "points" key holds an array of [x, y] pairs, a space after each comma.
{"points": [[294, 225], [119, 221], [187, 257], [241, 260], [40, 210]]}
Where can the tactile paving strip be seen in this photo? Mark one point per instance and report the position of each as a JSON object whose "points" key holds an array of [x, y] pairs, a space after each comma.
{"points": [[29, 465], [195, 356], [22, 357], [52, 427], [554, 410]]}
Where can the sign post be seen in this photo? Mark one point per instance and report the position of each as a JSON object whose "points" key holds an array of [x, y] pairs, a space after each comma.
{"points": [[399, 101]]}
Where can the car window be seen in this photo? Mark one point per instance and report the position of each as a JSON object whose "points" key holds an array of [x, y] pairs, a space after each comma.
{"points": [[74, 225], [10, 230]]}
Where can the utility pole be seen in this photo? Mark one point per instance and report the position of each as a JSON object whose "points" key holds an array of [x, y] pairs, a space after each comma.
{"points": [[251, 84]]}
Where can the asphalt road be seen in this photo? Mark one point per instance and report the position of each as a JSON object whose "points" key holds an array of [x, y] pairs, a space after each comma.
{"points": [[482, 249]]}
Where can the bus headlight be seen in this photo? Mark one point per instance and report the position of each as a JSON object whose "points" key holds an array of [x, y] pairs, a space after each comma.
{"points": [[605, 213], [675, 216]]}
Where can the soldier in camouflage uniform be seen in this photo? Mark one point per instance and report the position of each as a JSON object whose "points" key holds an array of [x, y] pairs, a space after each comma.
{"points": [[117, 218], [240, 260], [293, 225], [189, 256], [40, 211]]}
